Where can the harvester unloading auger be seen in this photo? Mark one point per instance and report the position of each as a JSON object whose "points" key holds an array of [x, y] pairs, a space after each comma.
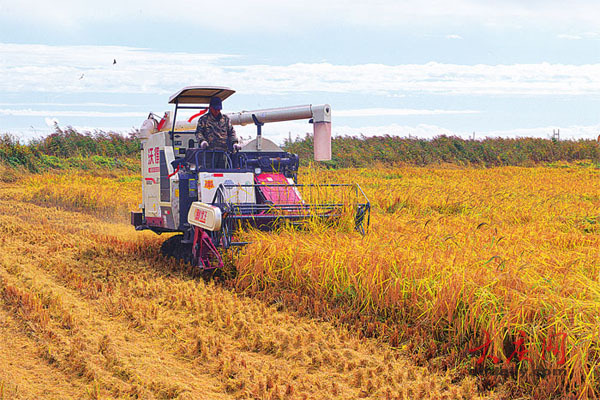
{"points": [[208, 195]]}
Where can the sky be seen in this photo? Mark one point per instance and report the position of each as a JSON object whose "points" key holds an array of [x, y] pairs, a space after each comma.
{"points": [[404, 68]]}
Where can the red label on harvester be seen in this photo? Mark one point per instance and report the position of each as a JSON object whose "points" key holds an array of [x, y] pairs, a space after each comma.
{"points": [[153, 159], [200, 216]]}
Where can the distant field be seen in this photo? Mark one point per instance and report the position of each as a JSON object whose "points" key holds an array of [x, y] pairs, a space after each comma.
{"points": [[452, 254]]}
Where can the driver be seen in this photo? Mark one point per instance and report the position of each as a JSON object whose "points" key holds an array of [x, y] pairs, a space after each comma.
{"points": [[214, 129]]}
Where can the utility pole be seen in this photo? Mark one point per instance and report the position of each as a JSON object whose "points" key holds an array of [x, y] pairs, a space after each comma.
{"points": [[556, 135]]}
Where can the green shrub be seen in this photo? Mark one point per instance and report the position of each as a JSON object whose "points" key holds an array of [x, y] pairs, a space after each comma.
{"points": [[70, 149], [364, 151]]}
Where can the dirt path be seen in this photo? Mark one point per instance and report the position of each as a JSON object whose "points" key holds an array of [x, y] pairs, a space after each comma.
{"points": [[87, 310]]}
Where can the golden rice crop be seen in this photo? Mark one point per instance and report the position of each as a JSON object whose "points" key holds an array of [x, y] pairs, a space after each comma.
{"points": [[454, 253], [451, 254], [108, 194], [89, 309]]}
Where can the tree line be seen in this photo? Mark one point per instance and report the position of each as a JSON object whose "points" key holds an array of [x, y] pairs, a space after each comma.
{"points": [[67, 147], [351, 151]]}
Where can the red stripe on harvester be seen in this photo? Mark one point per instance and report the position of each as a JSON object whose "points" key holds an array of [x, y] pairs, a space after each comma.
{"points": [[162, 122], [197, 115], [174, 172]]}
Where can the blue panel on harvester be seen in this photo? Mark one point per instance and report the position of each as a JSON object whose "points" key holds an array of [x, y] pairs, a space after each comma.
{"points": [[188, 193]]}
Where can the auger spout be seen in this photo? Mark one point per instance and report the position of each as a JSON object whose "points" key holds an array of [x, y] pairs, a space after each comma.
{"points": [[318, 113], [320, 116]]}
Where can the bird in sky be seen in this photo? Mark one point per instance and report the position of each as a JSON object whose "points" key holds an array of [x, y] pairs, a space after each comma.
{"points": [[114, 61], [81, 77]]}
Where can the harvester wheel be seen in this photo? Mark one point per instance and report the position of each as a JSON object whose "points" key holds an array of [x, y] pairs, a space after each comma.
{"points": [[173, 247]]}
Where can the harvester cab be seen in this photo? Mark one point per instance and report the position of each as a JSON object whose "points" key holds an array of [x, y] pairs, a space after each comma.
{"points": [[208, 195]]}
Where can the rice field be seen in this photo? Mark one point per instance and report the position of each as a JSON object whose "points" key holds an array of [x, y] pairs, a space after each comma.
{"points": [[505, 260], [484, 274], [89, 309]]}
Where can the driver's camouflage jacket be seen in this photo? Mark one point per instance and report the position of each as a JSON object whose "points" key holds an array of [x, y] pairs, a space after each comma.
{"points": [[215, 131]]}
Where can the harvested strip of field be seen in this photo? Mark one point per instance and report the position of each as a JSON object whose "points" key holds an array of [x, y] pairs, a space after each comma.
{"points": [[89, 310]]}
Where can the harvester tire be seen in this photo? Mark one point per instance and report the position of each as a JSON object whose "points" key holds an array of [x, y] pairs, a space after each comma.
{"points": [[173, 247]]}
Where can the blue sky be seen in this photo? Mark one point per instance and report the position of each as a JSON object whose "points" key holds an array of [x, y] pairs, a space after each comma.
{"points": [[419, 68]]}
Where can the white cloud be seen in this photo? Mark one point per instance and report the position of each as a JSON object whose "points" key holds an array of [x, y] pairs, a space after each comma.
{"points": [[378, 112], [34, 104], [42, 68], [453, 36], [579, 36], [69, 113], [239, 15], [569, 37]]}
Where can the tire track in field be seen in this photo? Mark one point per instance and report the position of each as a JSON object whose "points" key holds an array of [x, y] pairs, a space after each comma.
{"points": [[122, 323]]}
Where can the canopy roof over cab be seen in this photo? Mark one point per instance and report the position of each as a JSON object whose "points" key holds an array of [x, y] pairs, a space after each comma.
{"points": [[200, 94]]}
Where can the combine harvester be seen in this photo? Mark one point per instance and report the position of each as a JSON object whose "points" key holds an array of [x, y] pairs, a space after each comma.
{"points": [[208, 195]]}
